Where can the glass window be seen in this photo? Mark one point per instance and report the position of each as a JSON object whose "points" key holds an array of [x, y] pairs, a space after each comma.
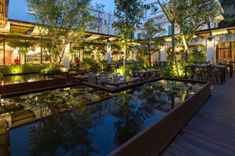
{"points": [[169, 30], [139, 36]]}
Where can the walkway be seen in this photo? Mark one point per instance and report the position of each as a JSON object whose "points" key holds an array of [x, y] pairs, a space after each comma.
{"points": [[211, 132]]}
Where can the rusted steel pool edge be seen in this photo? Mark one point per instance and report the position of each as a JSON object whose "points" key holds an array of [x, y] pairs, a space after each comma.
{"points": [[152, 140]]}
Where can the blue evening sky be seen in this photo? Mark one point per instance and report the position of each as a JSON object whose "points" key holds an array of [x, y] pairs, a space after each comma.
{"points": [[109, 4]]}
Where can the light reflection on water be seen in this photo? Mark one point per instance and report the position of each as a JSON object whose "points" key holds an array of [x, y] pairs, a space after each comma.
{"points": [[92, 129], [6, 80]]}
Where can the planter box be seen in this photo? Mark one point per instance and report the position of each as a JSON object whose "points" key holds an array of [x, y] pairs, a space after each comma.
{"points": [[152, 140], [31, 86]]}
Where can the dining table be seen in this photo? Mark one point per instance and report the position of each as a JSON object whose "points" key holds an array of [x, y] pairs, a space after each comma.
{"points": [[203, 69], [121, 81]]}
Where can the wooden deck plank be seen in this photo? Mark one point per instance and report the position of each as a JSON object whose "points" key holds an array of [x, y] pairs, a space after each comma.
{"points": [[3, 139], [212, 130], [211, 146]]}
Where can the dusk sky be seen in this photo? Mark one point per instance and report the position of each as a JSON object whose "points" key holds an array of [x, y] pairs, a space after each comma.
{"points": [[109, 4]]}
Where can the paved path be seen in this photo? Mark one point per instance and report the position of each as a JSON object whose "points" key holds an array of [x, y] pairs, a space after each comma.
{"points": [[211, 132]]}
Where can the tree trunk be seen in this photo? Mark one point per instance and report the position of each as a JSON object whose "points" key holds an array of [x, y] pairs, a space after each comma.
{"points": [[149, 54], [209, 25], [185, 43], [186, 47], [25, 58], [173, 57], [173, 40], [125, 52], [62, 54]]}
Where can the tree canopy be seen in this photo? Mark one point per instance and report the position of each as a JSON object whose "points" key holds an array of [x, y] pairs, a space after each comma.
{"points": [[152, 41], [128, 15], [57, 21]]}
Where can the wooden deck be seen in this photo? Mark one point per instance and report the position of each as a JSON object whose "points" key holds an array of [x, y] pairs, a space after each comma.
{"points": [[3, 139], [211, 132]]}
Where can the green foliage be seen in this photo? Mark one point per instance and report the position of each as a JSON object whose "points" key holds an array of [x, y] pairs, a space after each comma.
{"points": [[128, 16], [167, 70], [52, 69], [2, 110], [22, 45], [190, 16], [89, 64], [229, 18], [21, 69], [151, 30], [60, 23], [196, 56], [152, 42], [18, 43]]}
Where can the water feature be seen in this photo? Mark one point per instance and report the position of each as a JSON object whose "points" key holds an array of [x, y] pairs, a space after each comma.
{"points": [[97, 122]]}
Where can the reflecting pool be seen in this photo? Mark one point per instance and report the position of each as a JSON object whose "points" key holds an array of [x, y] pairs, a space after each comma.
{"points": [[93, 122]]}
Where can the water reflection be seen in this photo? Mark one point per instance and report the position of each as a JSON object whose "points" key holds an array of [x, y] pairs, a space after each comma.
{"points": [[97, 122], [64, 133]]}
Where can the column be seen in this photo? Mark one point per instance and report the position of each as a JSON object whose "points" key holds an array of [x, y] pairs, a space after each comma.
{"points": [[108, 52], [163, 53], [211, 49], [4, 52]]}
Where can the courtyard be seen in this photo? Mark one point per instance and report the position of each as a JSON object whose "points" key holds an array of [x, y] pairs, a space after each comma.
{"points": [[117, 78]]}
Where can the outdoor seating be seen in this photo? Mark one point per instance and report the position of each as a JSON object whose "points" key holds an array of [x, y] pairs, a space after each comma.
{"points": [[206, 72]]}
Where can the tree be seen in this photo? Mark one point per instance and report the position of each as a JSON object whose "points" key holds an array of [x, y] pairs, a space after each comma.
{"points": [[128, 15], [197, 14], [152, 42], [189, 16], [98, 10], [59, 24], [229, 12], [169, 9]]}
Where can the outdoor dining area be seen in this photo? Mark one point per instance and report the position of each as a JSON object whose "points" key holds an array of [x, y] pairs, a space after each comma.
{"points": [[216, 73], [114, 80], [78, 79]]}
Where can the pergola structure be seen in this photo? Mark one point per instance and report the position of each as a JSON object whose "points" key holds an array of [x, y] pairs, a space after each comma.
{"points": [[24, 31]]}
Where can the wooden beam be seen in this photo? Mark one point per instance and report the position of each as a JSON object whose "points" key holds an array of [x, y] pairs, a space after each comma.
{"points": [[4, 52]]}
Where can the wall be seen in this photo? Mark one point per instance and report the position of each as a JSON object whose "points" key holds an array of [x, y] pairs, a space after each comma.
{"points": [[18, 10]]}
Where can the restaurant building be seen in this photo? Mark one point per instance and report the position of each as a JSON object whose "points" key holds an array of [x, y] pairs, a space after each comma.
{"points": [[18, 24], [219, 42]]}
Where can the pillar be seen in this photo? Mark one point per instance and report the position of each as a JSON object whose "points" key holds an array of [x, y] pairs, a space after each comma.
{"points": [[4, 52], [108, 52], [211, 49], [163, 53]]}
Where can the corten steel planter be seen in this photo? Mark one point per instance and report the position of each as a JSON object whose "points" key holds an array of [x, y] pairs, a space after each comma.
{"points": [[31, 86], [152, 140]]}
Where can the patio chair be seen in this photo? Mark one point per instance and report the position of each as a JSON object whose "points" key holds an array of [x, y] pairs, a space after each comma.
{"points": [[212, 74], [196, 74]]}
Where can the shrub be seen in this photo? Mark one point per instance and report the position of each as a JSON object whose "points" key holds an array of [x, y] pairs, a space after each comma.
{"points": [[21, 69], [53, 69]]}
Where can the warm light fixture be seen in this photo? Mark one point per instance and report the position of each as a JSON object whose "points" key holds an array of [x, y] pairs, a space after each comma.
{"points": [[219, 32]]}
